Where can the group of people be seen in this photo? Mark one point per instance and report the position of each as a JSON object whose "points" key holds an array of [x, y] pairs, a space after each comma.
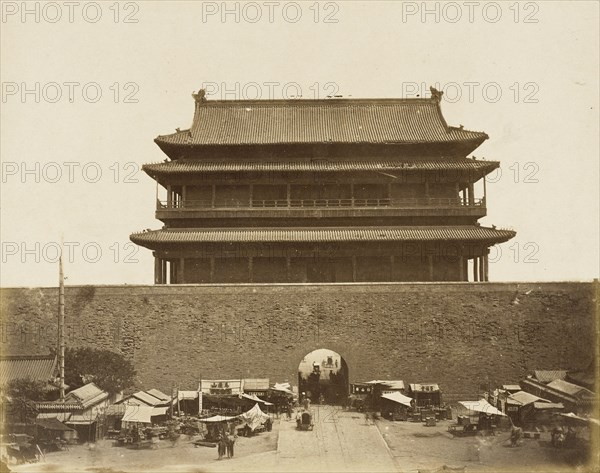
{"points": [[225, 444]]}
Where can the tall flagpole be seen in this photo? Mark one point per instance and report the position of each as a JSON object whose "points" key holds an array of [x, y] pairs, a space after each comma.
{"points": [[61, 326]]}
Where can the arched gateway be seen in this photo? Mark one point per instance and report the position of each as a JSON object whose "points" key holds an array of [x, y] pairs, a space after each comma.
{"points": [[323, 377]]}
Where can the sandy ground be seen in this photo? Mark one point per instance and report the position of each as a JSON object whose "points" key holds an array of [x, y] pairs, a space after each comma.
{"points": [[340, 441]]}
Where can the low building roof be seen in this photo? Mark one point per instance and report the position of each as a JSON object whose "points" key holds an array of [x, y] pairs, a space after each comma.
{"points": [[178, 236], [545, 376], [391, 384], [570, 388], [524, 398], [52, 424], [34, 367], [88, 395]]}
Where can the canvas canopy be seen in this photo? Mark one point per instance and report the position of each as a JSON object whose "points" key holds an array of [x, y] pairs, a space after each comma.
{"points": [[583, 420], [284, 387], [398, 397], [254, 417], [143, 414], [218, 418], [255, 398], [482, 406]]}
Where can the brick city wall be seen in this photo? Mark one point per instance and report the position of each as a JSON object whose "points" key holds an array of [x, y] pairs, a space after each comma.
{"points": [[460, 335]]}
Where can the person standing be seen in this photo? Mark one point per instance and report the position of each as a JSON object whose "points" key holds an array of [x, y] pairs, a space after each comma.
{"points": [[222, 445], [230, 445]]}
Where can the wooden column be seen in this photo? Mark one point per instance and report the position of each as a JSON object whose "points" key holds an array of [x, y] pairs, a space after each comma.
{"points": [[288, 262], [213, 196], [354, 269], [212, 269], [157, 270], [352, 194], [430, 261], [426, 188], [392, 266], [464, 196], [461, 268], [471, 194], [183, 195], [481, 269], [169, 197], [172, 274], [181, 271], [484, 191], [485, 270], [475, 270], [251, 193], [288, 194], [250, 273], [164, 271]]}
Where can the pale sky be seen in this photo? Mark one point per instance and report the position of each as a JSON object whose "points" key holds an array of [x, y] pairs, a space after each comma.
{"points": [[526, 73]]}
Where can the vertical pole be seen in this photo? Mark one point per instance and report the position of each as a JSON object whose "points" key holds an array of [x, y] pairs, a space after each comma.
{"points": [[461, 276], [61, 327], [156, 270], [475, 272], [352, 194], [213, 196], [181, 271], [484, 192], [251, 194], [471, 194], [250, 271], [482, 268], [212, 269], [430, 258], [353, 268], [486, 262], [392, 265], [183, 195], [288, 193], [169, 197]]}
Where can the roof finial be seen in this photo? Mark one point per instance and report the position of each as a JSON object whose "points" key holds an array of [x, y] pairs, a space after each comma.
{"points": [[200, 96], [436, 94]]}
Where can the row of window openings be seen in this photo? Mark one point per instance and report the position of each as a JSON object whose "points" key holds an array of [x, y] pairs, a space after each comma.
{"points": [[263, 195]]}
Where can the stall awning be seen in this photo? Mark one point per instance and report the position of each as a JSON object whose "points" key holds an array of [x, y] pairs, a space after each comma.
{"points": [[255, 398], [254, 417], [218, 419], [398, 397], [482, 406], [143, 414]]}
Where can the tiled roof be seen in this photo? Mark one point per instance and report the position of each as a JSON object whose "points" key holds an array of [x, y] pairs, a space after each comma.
{"points": [[158, 394], [545, 376], [34, 367], [268, 235], [248, 122], [568, 388], [524, 398], [321, 165], [87, 395]]}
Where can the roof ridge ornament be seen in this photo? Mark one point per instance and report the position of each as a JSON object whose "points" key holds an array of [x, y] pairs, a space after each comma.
{"points": [[200, 96], [436, 95]]}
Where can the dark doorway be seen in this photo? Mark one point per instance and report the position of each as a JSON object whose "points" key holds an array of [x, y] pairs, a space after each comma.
{"points": [[323, 377]]}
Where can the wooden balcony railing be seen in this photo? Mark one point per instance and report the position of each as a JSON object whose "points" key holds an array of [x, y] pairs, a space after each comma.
{"points": [[318, 203]]}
